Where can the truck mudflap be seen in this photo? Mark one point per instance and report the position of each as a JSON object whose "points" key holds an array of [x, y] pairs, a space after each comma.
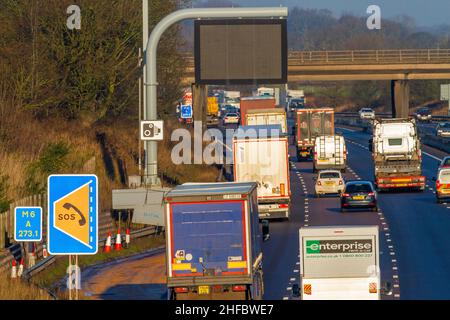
{"points": [[401, 182]]}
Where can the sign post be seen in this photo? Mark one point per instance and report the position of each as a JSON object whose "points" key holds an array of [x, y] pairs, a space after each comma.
{"points": [[445, 95], [151, 83], [72, 221]]}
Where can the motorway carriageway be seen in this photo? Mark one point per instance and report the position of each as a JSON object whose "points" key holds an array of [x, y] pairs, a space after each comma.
{"points": [[414, 246]]}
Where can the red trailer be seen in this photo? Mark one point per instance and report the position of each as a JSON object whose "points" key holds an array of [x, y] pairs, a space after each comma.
{"points": [[311, 123]]}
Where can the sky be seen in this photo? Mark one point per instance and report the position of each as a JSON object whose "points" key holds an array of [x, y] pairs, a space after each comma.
{"points": [[426, 13]]}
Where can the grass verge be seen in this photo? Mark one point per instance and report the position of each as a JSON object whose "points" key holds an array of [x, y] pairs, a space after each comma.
{"points": [[50, 277]]}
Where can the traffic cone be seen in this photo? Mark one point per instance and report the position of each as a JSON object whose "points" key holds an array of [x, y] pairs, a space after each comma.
{"points": [[118, 244], [107, 247], [127, 239], [20, 272], [32, 257], [14, 269], [44, 251]]}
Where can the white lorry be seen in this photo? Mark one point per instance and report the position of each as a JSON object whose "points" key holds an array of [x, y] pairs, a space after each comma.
{"points": [[295, 100], [396, 154], [264, 91], [267, 117], [339, 263], [232, 98], [330, 152], [260, 154]]}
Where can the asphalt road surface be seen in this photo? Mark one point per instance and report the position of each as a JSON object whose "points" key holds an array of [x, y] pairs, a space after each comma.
{"points": [[414, 246]]}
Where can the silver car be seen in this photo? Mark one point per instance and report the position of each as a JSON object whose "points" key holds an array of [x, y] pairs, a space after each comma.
{"points": [[366, 113]]}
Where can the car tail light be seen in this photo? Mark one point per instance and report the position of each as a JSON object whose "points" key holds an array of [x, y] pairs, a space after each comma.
{"points": [[319, 183], [217, 288], [282, 189], [239, 288], [346, 195], [438, 184], [181, 290], [341, 182], [283, 206], [373, 287], [371, 194]]}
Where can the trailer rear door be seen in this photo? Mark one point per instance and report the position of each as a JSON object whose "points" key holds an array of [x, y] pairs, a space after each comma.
{"points": [[208, 238]]}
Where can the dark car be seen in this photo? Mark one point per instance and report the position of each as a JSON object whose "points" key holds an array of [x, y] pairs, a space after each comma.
{"points": [[443, 129], [423, 114], [359, 194]]}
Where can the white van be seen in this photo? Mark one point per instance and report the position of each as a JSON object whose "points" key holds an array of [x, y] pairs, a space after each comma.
{"points": [[330, 152]]}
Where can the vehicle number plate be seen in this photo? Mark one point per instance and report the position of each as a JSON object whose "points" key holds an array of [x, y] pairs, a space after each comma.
{"points": [[203, 290], [358, 197], [329, 183], [322, 160]]}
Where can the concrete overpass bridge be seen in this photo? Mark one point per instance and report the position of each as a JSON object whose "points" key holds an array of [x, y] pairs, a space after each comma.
{"points": [[397, 66]]}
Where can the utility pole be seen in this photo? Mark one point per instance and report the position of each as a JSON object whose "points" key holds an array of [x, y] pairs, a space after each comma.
{"points": [[145, 31]]}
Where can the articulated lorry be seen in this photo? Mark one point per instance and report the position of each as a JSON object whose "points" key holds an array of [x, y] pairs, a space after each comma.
{"points": [[267, 117], [396, 154], [311, 123], [213, 242], [339, 263], [260, 154]]}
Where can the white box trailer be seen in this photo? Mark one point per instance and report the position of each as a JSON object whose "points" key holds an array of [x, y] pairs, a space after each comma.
{"points": [[330, 152], [260, 154], [340, 263], [275, 116]]}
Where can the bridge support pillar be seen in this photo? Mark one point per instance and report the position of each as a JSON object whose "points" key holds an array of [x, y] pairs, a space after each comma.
{"points": [[400, 98], [200, 103]]}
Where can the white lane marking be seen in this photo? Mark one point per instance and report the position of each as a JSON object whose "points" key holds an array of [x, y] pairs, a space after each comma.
{"points": [[296, 271], [395, 276], [431, 156], [285, 298], [292, 279], [396, 295], [394, 260], [289, 288]]}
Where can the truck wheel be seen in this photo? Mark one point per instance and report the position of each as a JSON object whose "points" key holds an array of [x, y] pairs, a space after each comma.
{"points": [[343, 210], [375, 209]]}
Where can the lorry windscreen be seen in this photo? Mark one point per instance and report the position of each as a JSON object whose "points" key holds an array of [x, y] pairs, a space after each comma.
{"points": [[208, 237]]}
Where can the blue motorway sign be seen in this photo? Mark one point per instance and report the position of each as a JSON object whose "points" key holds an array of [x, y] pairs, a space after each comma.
{"points": [[72, 214], [186, 111], [28, 224]]}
